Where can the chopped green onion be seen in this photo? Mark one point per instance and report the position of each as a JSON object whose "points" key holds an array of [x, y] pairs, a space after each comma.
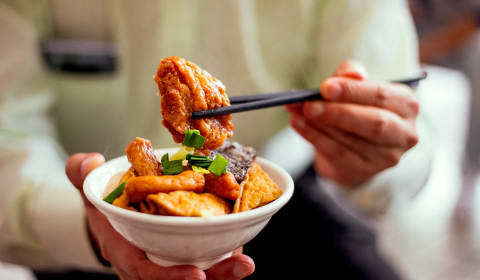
{"points": [[197, 157], [193, 139], [165, 159], [115, 193], [200, 161], [171, 167], [219, 165], [200, 169]]}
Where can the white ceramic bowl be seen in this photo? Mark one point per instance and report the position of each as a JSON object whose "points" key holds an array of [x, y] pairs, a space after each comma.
{"points": [[169, 240]]}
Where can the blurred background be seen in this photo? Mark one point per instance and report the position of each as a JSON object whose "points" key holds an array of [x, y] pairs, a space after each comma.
{"points": [[438, 237]]}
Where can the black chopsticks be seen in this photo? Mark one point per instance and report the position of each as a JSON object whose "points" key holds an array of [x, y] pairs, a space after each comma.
{"points": [[259, 101]]}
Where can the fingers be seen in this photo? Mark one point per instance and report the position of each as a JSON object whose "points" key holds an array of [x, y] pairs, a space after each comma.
{"points": [[79, 165], [336, 159], [151, 271], [348, 69], [380, 156], [393, 97], [238, 266], [72, 169], [131, 262], [92, 161], [237, 251], [370, 123], [351, 69], [77, 168]]}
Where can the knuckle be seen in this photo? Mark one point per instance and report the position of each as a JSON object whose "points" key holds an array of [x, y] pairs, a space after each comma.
{"points": [[380, 125], [411, 139], [381, 95], [347, 89], [414, 105]]}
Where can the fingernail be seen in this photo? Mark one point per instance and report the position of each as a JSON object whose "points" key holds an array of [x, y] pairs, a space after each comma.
{"points": [[241, 270], [90, 163], [333, 91]]}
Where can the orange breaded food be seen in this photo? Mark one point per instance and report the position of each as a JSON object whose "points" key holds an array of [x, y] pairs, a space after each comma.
{"points": [[184, 203], [140, 155], [257, 190], [138, 188], [185, 88], [224, 186]]}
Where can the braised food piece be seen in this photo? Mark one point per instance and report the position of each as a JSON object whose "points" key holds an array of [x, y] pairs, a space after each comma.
{"points": [[122, 200], [140, 155], [239, 158], [256, 190], [224, 186], [185, 88], [139, 187], [184, 203]]}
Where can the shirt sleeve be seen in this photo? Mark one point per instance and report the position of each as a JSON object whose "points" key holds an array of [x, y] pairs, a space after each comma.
{"points": [[42, 220]]}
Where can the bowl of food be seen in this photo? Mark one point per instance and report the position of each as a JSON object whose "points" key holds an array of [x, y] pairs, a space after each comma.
{"points": [[196, 203], [174, 240]]}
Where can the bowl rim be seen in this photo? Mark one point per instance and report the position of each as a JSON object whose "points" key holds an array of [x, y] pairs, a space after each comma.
{"points": [[138, 217]]}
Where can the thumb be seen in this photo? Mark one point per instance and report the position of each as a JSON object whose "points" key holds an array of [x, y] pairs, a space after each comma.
{"points": [[351, 69], [79, 165]]}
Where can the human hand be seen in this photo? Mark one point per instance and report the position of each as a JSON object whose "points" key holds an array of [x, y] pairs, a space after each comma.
{"points": [[360, 128], [127, 260]]}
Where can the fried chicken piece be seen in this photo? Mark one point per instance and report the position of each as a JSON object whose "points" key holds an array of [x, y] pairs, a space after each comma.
{"points": [[140, 155], [224, 186], [185, 88], [185, 203], [256, 190], [138, 188]]}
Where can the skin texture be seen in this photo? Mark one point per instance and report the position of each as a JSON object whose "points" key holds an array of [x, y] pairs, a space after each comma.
{"points": [[360, 128], [130, 262]]}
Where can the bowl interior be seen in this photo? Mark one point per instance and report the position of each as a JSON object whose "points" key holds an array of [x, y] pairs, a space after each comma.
{"points": [[98, 180]]}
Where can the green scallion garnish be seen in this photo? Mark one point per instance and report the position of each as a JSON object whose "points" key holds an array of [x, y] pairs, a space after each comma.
{"points": [[115, 193], [200, 161], [218, 165], [193, 139], [171, 167]]}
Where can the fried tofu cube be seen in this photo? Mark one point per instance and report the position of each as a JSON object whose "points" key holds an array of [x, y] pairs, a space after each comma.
{"points": [[256, 190], [187, 203]]}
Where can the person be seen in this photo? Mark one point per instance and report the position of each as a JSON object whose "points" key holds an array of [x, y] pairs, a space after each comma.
{"points": [[357, 139]]}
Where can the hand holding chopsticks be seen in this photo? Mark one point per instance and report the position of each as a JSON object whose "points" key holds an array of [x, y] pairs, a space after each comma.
{"points": [[253, 102]]}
